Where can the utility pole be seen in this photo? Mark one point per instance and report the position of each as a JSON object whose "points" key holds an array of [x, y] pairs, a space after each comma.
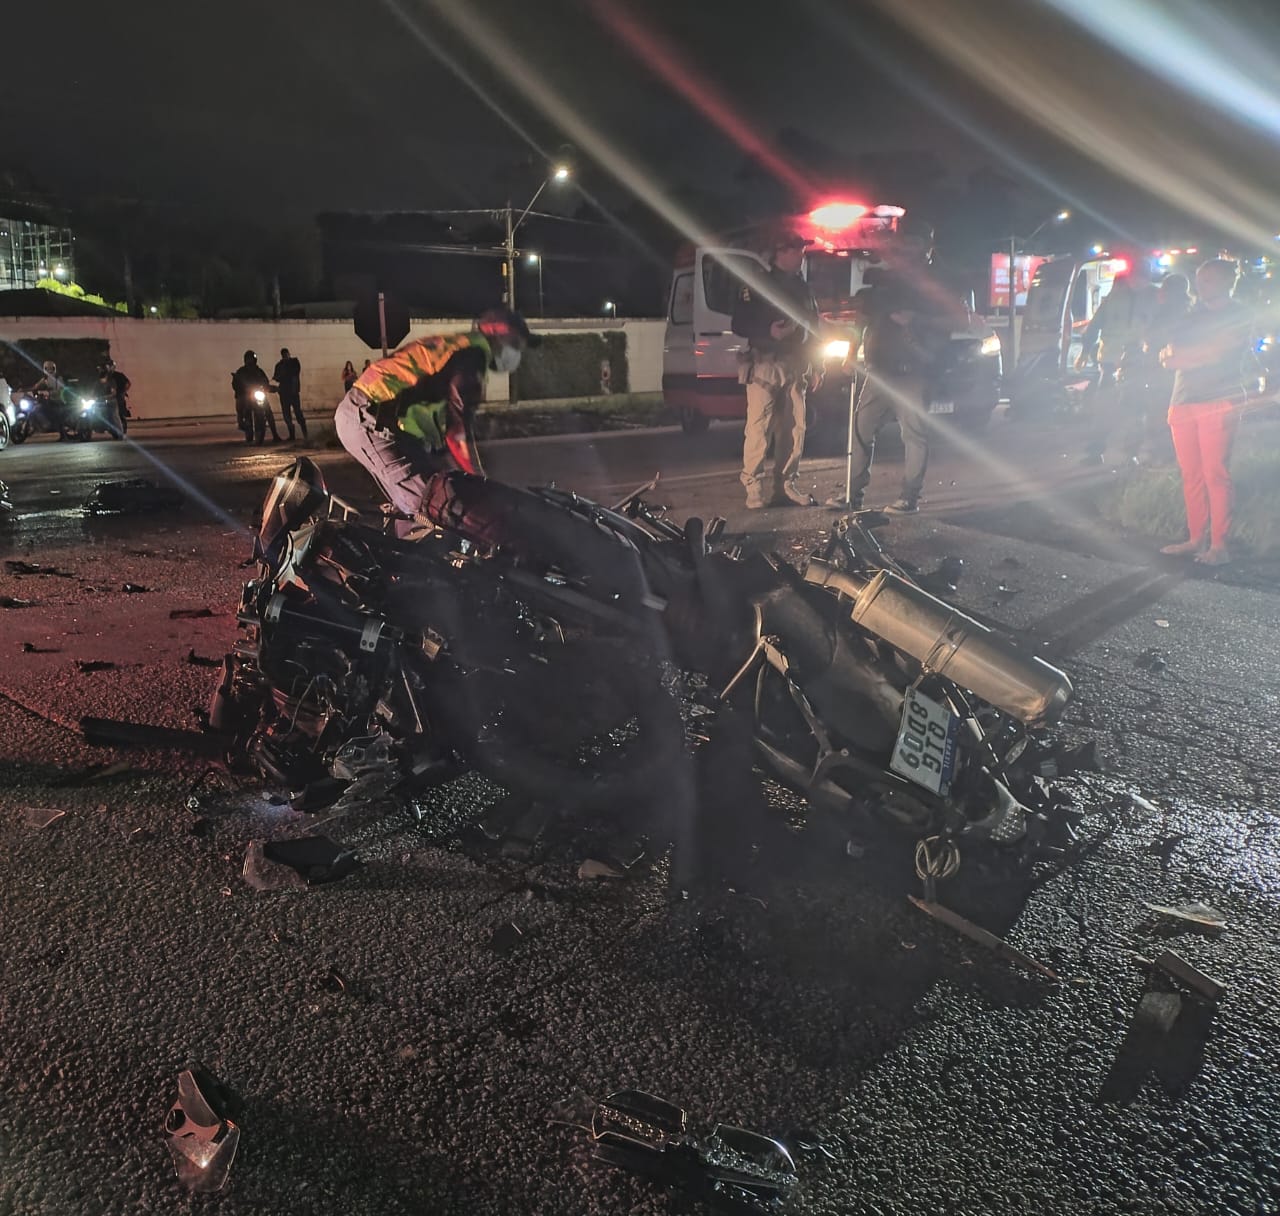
{"points": [[510, 246]]}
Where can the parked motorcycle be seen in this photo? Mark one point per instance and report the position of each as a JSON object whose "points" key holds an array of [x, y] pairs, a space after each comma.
{"points": [[559, 646]]}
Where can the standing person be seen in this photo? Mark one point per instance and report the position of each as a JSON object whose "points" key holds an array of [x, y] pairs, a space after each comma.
{"points": [[1210, 356], [781, 326], [288, 378], [1172, 303], [1113, 339], [411, 415], [251, 386], [348, 376], [897, 362], [121, 384], [108, 393]]}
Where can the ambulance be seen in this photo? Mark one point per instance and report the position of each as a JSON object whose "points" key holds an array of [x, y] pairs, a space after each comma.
{"points": [[701, 352]]}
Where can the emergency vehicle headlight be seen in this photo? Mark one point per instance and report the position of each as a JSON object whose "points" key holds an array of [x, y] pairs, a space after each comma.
{"points": [[837, 348], [991, 344]]}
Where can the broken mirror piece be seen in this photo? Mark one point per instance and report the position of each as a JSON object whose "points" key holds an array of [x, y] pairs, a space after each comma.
{"points": [[201, 1141], [317, 858], [264, 875], [137, 495], [40, 817]]}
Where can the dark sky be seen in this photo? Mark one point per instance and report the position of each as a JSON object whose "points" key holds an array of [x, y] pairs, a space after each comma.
{"points": [[305, 105]]}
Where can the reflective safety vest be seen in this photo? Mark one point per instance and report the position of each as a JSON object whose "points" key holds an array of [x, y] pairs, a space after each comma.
{"points": [[388, 378]]}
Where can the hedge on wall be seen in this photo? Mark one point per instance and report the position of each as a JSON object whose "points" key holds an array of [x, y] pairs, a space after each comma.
{"points": [[77, 359], [572, 365]]}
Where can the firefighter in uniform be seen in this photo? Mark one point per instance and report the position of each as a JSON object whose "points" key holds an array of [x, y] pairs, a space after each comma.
{"points": [[411, 415], [781, 326]]}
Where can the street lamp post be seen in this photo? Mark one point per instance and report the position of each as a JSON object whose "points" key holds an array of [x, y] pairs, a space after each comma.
{"points": [[561, 173], [535, 259], [610, 309], [1014, 242]]}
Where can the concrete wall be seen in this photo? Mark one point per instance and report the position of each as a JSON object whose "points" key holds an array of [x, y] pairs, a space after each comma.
{"points": [[182, 369]]}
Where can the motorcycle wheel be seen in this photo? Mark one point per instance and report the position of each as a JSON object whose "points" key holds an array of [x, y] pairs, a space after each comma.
{"points": [[4, 432], [617, 741], [20, 432]]}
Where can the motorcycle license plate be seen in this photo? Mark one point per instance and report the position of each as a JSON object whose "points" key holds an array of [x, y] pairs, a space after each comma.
{"points": [[942, 407], [926, 748]]}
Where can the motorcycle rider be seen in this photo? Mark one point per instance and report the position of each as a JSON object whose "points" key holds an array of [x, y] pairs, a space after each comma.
{"points": [[252, 416], [55, 399], [120, 385], [107, 392], [411, 415]]}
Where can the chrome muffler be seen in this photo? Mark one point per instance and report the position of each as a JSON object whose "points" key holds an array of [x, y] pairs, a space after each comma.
{"points": [[947, 642]]}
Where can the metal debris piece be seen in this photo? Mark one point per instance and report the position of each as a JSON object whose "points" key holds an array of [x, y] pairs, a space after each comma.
{"points": [[1196, 915], [317, 858], [89, 665], [982, 936], [650, 1137], [264, 875], [201, 1142], [593, 868], [137, 495], [190, 614], [134, 589], [40, 817], [199, 660], [1177, 967]]}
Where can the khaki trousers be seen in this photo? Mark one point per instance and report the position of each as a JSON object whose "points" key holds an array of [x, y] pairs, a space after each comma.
{"points": [[775, 409]]}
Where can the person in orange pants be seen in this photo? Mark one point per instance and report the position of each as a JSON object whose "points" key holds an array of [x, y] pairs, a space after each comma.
{"points": [[1211, 356]]}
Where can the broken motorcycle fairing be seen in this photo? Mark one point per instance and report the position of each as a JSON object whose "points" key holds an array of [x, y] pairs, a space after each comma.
{"points": [[544, 640]]}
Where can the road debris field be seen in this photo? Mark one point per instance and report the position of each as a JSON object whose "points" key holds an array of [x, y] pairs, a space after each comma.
{"points": [[374, 977]]}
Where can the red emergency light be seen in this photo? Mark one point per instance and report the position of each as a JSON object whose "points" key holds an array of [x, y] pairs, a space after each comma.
{"points": [[1119, 266], [836, 216]]}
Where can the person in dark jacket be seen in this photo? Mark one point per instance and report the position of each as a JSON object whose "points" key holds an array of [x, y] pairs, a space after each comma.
{"points": [[252, 387], [288, 378], [781, 325]]}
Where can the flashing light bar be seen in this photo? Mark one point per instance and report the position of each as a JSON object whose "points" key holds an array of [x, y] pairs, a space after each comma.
{"points": [[835, 216]]}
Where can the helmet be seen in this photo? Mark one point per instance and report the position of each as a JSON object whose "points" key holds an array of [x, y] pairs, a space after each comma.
{"points": [[250, 357], [508, 320]]}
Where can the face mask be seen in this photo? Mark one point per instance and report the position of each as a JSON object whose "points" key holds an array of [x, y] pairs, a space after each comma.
{"points": [[507, 359]]}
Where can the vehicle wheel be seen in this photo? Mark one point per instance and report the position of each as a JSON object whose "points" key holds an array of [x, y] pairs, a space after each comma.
{"points": [[20, 432], [4, 432], [693, 422]]}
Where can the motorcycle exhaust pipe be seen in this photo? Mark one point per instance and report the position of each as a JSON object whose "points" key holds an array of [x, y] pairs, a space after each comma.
{"points": [[946, 641]]}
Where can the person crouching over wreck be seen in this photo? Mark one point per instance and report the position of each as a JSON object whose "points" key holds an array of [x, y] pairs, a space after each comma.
{"points": [[411, 415]]}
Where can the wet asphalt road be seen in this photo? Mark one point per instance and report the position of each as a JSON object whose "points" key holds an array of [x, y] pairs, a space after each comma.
{"points": [[938, 1079]]}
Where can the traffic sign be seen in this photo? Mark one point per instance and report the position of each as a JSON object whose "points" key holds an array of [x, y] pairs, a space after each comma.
{"points": [[381, 322]]}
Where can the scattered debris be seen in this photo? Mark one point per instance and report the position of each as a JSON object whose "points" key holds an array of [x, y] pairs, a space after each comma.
{"points": [[1152, 660], [1158, 1011], [335, 981], [1193, 915], [647, 1136], [134, 589], [10, 601], [317, 858], [19, 567], [592, 868], [806, 1142], [32, 648], [202, 1142], [90, 665], [264, 875], [1177, 967], [140, 836], [40, 817], [112, 732], [1162, 624], [982, 936], [505, 938], [198, 660], [137, 495], [1167, 1037], [1007, 592], [190, 614]]}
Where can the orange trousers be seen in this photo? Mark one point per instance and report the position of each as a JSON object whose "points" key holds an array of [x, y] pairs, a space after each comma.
{"points": [[1202, 437]]}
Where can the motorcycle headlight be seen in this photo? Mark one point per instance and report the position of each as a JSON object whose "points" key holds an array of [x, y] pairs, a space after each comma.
{"points": [[990, 344], [259, 396], [25, 405], [86, 406], [837, 348]]}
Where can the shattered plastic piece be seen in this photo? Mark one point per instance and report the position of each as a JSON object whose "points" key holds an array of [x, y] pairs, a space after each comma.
{"points": [[136, 495], [505, 938], [1159, 1011], [88, 665], [317, 858], [134, 589], [592, 868], [1198, 915], [264, 875], [190, 614], [201, 1141], [40, 817], [1162, 624]]}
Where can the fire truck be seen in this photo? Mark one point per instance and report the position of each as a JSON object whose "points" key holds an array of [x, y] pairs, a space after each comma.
{"points": [[701, 351]]}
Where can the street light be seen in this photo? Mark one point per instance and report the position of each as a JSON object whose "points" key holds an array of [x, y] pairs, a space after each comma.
{"points": [[560, 173], [536, 260], [610, 309], [1012, 365]]}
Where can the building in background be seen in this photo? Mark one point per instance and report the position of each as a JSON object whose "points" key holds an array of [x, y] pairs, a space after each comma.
{"points": [[31, 250]]}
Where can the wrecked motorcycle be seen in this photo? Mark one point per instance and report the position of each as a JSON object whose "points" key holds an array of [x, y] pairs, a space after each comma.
{"points": [[560, 647]]}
